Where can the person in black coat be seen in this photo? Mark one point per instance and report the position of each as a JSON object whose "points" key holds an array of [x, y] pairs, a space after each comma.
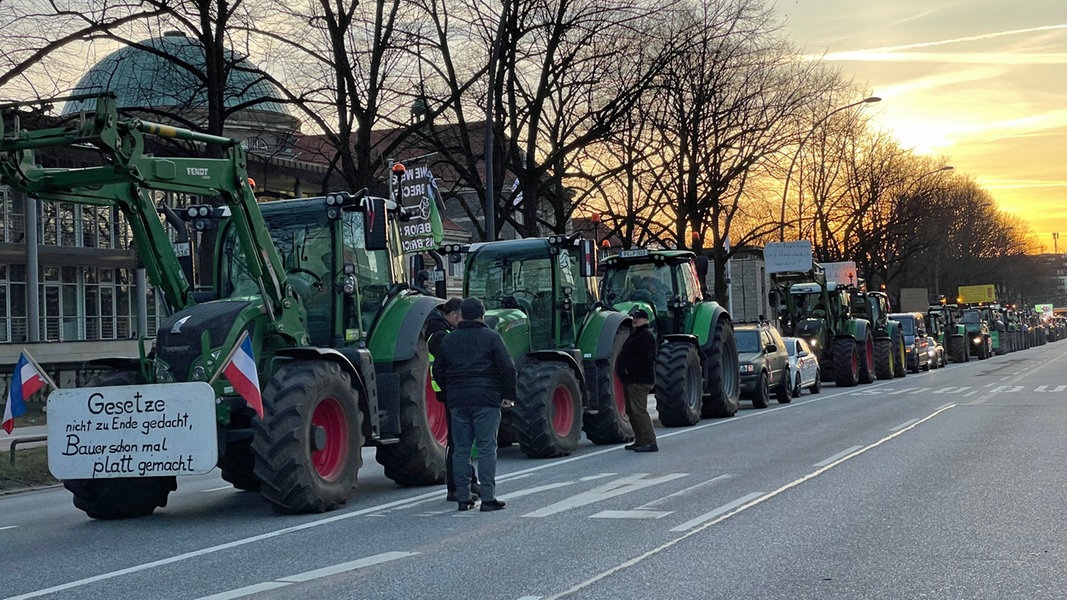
{"points": [[636, 368], [477, 375], [441, 321]]}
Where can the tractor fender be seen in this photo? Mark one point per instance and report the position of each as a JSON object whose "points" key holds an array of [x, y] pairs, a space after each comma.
{"points": [[314, 353], [892, 329], [561, 356], [862, 327], [597, 339], [705, 319], [398, 327], [680, 338]]}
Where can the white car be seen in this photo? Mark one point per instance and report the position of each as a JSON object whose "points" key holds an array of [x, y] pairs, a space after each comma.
{"points": [[803, 366]]}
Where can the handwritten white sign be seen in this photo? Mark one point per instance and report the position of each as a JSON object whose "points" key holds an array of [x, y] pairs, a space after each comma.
{"points": [[147, 430], [843, 273], [787, 257]]}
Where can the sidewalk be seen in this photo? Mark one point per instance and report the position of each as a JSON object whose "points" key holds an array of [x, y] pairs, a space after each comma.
{"points": [[22, 432]]}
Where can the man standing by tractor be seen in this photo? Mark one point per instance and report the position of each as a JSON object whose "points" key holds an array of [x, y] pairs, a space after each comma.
{"points": [[477, 375], [636, 367], [441, 321]]}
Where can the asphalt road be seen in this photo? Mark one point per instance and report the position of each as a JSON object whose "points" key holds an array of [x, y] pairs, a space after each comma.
{"points": [[948, 484]]}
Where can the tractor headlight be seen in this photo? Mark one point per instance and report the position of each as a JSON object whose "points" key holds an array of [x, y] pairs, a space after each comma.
{"points": [[199, 373], [977, 340], [163, 372]]}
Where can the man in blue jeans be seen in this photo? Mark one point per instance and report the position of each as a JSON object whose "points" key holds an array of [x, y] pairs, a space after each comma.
{"points": [[477, 374]]}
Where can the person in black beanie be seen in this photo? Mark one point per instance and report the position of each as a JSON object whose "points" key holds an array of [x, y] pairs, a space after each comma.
{"points": [[441, 321], [477, 375], [636, 368]]}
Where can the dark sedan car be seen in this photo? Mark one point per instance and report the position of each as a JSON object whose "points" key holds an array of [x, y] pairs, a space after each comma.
{"points": [[764, 364]]}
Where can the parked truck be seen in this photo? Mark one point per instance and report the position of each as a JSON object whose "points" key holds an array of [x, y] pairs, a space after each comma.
{"points": [[314, 287]]}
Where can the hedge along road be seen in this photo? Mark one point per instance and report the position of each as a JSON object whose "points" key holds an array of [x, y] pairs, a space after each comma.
{"points": [[793, 487]]}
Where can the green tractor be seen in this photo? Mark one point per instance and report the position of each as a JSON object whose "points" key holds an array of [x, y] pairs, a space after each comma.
{"points": [[950, 332], [820, 311], [979, 340], [314, 286], [540, 294], [697, 372], [889, 353]]}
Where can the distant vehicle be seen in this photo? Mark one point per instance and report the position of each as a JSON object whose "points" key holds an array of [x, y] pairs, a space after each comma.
{"points": [[916, 345], [764, 364], [937, 353], [803, 366]]}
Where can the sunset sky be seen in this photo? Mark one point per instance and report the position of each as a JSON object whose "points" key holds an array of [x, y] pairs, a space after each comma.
{"points": [[980, 82]]}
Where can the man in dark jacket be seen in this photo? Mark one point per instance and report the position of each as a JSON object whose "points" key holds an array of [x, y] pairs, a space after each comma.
{"points": [[636, 368], [477, 375], [441, 321]]}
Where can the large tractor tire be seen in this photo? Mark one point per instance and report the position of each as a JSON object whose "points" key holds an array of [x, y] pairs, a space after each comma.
{"points": [[957, 348], [846, 362], [610, 425], [679, 389], [900, 358], [722, 373], [121, 497], [866, 356], [419, 457], [308, 443], [883, 359], [547, 416]]}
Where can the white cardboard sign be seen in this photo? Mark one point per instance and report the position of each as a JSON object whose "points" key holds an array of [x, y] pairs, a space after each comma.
{"points": [[841, 273], [149, 430], [787, 257]]}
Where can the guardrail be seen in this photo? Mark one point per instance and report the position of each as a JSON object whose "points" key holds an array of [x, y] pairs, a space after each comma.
{"points": [[24, 440]]}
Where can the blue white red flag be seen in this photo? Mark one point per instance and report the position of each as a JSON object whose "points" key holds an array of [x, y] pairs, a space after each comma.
{"points": [[242, 373], [25, 382]]}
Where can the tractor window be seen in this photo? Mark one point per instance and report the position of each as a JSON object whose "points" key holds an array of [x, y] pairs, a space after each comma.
{"points": [[374, 270], [690, 285], [516, 282]]}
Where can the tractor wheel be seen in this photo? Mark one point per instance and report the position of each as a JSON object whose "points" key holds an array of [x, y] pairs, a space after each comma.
{"points": [[308, 443], [883, 359], [846, 361], [957, 348], [679, 390], [866, 356], [762, 396], [121, 497], [419, 457], [609, 425], [547, 415], [722, 373]]}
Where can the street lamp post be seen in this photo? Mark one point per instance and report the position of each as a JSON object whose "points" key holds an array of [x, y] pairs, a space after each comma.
{"points": [[800, 147]]}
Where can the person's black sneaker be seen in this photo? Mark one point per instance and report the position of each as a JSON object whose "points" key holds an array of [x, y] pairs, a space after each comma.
{"points": [[469, 504], [630, 446], [489, 505], [647, 448]]}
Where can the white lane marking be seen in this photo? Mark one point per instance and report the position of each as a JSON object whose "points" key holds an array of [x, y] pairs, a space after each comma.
{"points": [[406, 502], [969, 394], [632, 514], [306, 576], [953, 390], [904, 424], [845, 452], [898, 392], [919, 390], [550, 486], [531, 598], [9, 527], [1006, 389], [725, 508], [1058, 389], [666, 545], [684, 491], [611, 489], [217, 489]]}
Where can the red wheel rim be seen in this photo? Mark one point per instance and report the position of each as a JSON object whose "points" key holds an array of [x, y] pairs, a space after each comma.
{"points": [[562, 411], [435, 413], [331, 459]]}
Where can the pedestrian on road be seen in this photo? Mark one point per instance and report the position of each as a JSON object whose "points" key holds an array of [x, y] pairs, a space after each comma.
{"points": [[441, 321], [636, 368], [477, 375]]}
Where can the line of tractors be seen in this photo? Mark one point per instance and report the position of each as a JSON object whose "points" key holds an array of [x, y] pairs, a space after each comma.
{"points": [[320, 287]]}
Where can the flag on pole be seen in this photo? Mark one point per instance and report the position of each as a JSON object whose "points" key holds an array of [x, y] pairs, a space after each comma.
{"points": [[241, 370], [27, 380]]}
